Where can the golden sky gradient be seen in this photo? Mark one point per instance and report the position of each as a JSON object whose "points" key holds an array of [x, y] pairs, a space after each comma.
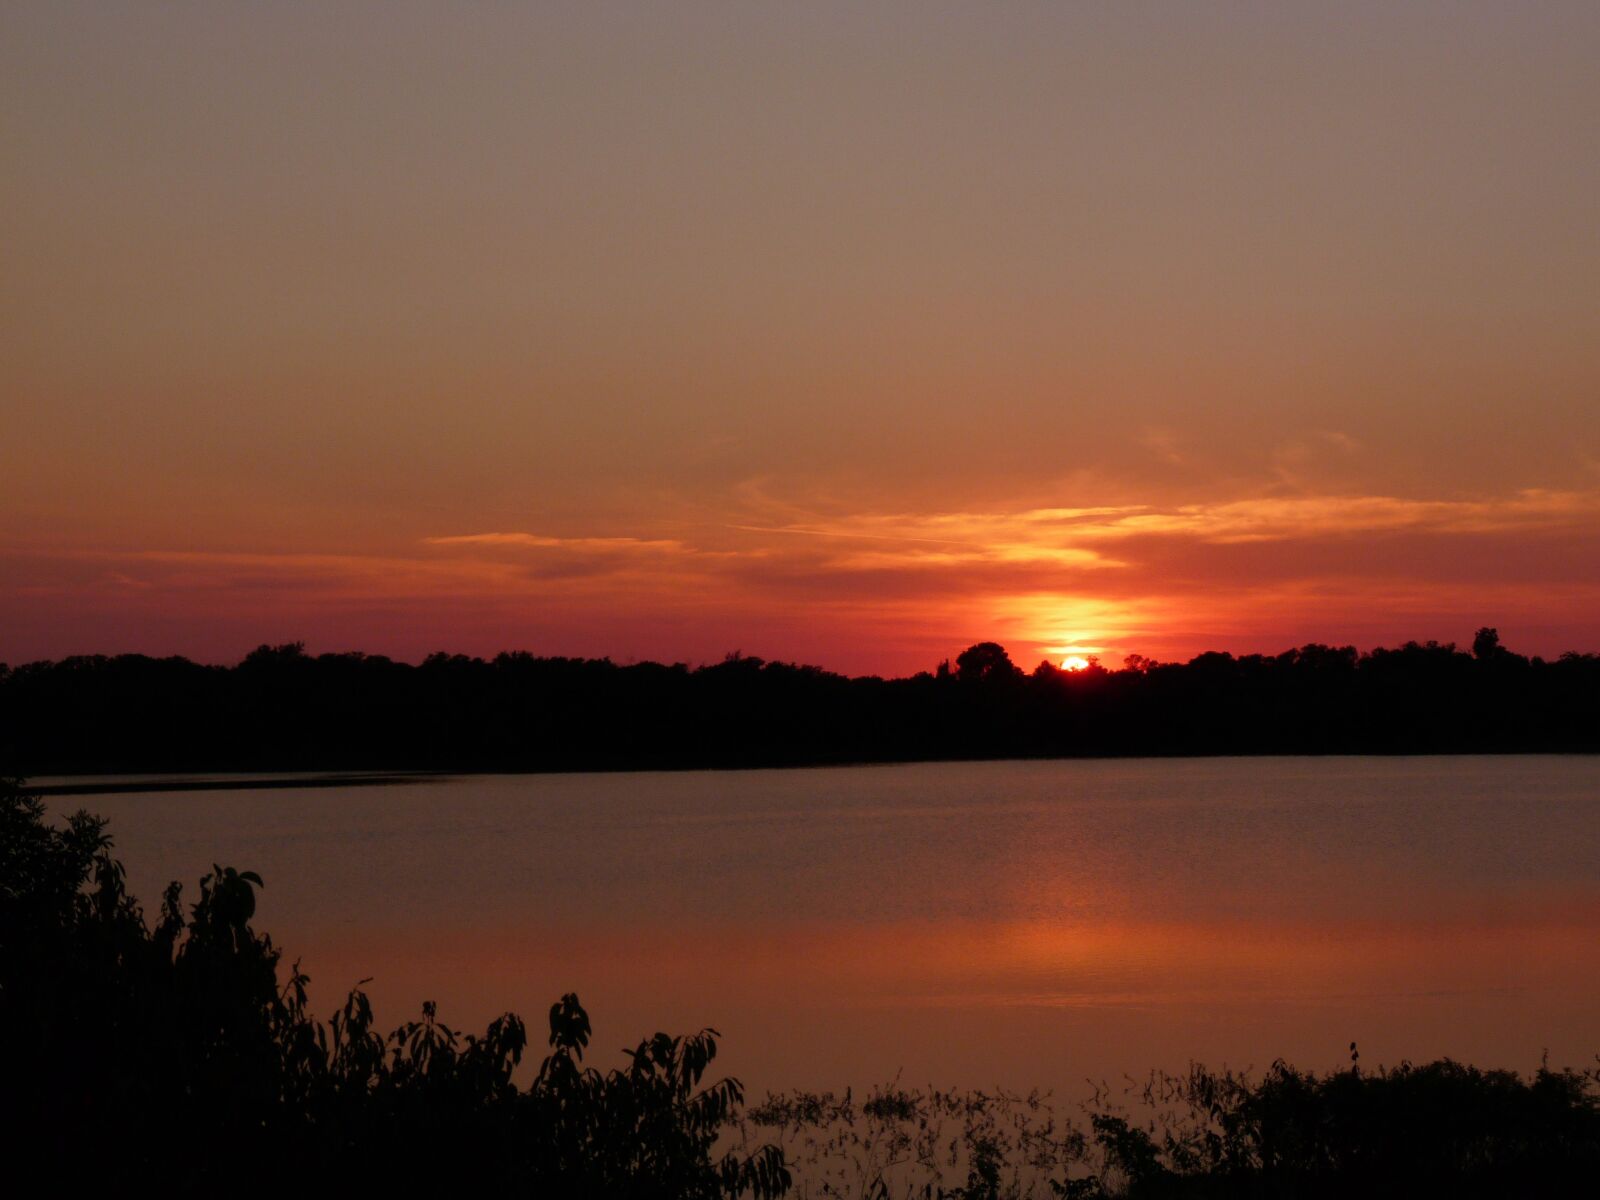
{"points": [[846, 333]]}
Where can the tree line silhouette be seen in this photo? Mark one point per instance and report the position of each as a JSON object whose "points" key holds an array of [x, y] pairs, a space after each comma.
{"points": [[283, 709]]}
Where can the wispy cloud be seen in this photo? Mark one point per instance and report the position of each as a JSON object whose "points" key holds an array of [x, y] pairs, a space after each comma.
{"points": [[1044, 578], [536, 541], [1301, 517], [1069, 536]]}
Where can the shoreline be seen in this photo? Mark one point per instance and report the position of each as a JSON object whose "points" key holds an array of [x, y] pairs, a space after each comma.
{"points": [[264, 782], [114, 782]]}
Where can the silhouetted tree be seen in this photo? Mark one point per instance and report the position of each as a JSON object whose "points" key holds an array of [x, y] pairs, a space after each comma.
{"points": [[986, 662], [1486, 643]]}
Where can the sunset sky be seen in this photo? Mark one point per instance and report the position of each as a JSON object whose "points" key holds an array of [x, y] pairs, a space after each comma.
{"points": [[847, 333]]}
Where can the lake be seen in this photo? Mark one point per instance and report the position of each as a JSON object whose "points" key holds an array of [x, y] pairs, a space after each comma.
{"points": [[961, 924]]}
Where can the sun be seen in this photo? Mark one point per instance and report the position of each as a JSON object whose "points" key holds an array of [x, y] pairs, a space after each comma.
{"points": [[1073, 662]]}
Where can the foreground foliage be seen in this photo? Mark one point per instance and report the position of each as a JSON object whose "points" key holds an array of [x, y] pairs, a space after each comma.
{"points": [[172, 1056], [1442, 1129]]}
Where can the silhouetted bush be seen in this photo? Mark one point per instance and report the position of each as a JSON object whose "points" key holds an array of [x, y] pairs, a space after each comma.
{"points": [[175, 1058], [1442, 1129], [1437, 1130]]}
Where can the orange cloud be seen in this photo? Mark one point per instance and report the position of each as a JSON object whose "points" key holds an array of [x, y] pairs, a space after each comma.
{"points": [[1054, 534], [888, 591], [533, 541]]}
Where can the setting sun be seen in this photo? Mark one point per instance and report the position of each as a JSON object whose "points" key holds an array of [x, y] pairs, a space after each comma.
{"points": [[1074, 663]]}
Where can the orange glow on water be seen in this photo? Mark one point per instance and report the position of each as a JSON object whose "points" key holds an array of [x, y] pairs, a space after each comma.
{"points": [[917, 990]]}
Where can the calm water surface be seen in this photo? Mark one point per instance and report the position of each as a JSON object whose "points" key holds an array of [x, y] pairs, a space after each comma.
{"points": [[963, 924]]}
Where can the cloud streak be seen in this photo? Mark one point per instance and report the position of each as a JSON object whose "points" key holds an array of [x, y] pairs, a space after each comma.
{"points": [[1046, 534], [534, 541], [888, 591]]}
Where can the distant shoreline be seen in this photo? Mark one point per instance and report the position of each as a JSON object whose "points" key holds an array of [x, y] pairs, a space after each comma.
{"points": [[242, 781], [265, 782]]}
